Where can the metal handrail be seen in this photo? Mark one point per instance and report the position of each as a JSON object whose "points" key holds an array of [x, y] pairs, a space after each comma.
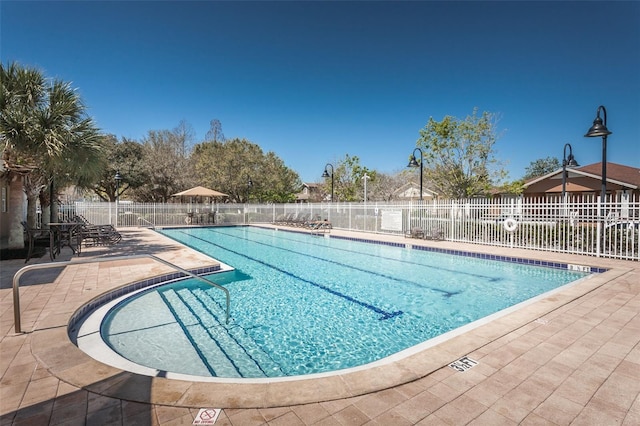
{"points": [[150, 223], [16, 278]]}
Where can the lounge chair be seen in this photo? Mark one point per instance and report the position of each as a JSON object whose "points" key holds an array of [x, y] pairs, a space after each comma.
{"points": [[319, 227], [97, 234]]}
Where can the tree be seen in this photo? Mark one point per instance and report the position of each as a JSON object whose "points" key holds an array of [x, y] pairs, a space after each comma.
{"points": [[215, 132], [347, 177], [243, 171], [165, 166], [185, 136], [46, 137], [458, 154], [541, 167], [384, 187], [125, 157]]}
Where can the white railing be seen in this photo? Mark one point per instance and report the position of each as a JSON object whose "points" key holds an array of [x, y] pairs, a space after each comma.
{"points": [[579, 225]]}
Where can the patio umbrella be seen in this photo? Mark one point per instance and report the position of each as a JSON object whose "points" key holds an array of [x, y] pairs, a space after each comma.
{"points": [[200, 191]]}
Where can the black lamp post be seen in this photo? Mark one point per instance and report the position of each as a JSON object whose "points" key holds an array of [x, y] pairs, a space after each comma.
{"points": [[118, 178], [414, 163], [600, 129], [249, 186], [326, 175], [567, 162]]}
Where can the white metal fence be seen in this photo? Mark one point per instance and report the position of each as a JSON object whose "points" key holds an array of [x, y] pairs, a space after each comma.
{"points": [[579, 225]]}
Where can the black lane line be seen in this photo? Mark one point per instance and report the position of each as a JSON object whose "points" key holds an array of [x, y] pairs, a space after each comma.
{"points": [[187, 334], [445, 293], [205, 306], [385, 314], [489, 278]]}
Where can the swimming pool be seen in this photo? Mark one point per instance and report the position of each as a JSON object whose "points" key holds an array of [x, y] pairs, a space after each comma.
{"points": [[304, 304]]}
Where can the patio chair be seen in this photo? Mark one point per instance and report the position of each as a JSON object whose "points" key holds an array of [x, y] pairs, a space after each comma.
{"points": [[33, 235], [415, 232], [434, 234]]}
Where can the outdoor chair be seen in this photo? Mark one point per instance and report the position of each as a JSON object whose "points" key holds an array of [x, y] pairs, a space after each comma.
{"points": [[33, 235], [415, 232], [97, 234], [319, 227], [433, 234]]}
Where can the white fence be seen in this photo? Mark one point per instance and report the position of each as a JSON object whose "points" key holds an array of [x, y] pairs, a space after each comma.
{"points": [[581, 225]]}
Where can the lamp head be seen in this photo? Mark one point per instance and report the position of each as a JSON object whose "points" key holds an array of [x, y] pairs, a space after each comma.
{"points": [[572, 162], [413, 162], [599, 128], [325, 174], [117, 177]]}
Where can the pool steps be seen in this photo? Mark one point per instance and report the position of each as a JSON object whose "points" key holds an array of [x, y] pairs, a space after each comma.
{"points": [[225, 351]]}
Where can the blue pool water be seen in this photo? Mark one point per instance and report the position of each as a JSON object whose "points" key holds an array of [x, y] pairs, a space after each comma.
{"points": [[303, 304]]}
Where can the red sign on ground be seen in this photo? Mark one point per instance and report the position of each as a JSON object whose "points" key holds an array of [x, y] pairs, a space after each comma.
{"points": [[207, 416]]}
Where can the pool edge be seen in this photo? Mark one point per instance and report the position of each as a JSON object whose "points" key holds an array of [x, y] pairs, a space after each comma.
{"points": [[64, 360]]}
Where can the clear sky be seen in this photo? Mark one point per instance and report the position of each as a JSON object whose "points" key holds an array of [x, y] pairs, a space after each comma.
{"points": [[313, 81]]}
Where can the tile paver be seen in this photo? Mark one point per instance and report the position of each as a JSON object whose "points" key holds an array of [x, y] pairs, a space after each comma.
{"points": [[573, 359]]}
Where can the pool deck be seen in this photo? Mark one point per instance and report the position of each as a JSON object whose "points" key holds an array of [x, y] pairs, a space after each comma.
{"points": [[569, 358]]}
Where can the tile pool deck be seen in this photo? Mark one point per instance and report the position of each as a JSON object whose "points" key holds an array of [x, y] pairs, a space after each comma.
{"points": [[570, 358]]}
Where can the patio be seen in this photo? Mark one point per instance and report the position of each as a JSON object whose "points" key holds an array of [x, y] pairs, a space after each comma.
{"points": [[570, 358]]}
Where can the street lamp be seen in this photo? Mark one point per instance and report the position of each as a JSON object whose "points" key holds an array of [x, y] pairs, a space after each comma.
{"points": [[567, 161], [414, 163], [249, 186], [365, 178], [600, 129], [118, 178], [326, 175]]}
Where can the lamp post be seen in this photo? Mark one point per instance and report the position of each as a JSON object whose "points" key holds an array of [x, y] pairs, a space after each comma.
{"points": [[414, 163], [365, 178], [326, 175], [118, 178], [567, 162], [599, 128], [249, 186]]}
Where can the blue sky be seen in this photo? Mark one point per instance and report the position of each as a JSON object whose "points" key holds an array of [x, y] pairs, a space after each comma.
{"points": [[313, 81]]}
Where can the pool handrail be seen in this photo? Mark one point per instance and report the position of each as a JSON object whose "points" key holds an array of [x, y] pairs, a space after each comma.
{"points": [[149, 222], [18, 275]]}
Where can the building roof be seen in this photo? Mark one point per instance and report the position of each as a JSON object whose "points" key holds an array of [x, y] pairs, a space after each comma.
{"points": [[625, 176], [412, 190]]}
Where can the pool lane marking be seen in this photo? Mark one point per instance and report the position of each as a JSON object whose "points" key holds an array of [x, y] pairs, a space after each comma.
{"points": [[187, 334], [385, 314], [229, 328], [231, 336], [487, 277], [445, 293]]}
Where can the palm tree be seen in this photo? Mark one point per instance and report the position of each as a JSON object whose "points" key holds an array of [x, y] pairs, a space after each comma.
{"points": [[47, 139]]}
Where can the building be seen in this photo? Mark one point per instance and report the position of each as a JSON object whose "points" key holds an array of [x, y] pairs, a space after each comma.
{"points": [[586, 180], [312, 193], [411, 191]]}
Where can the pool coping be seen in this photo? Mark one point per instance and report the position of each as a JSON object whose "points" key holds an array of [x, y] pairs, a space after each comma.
{"points": [[53, 348]]}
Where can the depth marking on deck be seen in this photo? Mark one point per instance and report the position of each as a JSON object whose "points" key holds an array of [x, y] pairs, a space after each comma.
{"points": [[463, 364]]}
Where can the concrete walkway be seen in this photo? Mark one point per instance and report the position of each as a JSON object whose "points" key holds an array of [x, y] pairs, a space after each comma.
{"points": [[570, 358]]}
